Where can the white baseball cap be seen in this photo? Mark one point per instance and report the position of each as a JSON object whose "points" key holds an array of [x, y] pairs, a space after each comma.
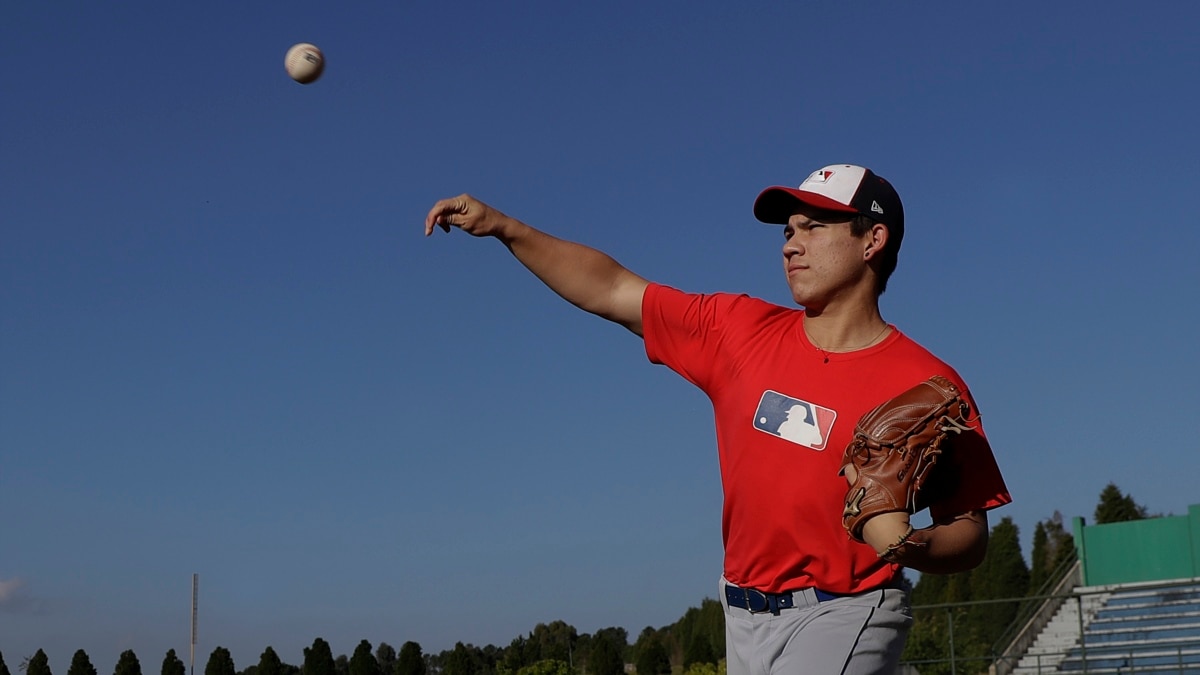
{"points": [[837, 187]]}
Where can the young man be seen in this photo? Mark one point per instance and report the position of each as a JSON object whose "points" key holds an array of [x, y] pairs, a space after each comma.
{"points": [[787, 388]]}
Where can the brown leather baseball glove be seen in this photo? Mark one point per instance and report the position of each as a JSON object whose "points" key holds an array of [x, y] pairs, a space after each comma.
{"points": [[895, 448]]}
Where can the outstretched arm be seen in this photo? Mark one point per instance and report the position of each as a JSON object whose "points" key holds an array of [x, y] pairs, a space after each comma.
{"points": [[585, 277]]}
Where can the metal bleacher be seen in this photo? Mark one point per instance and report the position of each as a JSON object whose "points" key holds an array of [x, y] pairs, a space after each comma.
{"points": [[1146, 627]]}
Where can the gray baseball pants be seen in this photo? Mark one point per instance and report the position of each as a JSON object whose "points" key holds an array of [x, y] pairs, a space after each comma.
{"points": [[847, 635]]}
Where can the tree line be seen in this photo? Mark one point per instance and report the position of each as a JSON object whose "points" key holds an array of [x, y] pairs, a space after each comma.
{"points": [[695, 644], [696, 641]]}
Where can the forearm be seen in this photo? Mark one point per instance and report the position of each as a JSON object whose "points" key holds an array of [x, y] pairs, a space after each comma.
{"points": [[946, 548], [587, 278]]}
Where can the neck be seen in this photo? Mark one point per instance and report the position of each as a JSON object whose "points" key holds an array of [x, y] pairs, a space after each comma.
{"points": [[845, 331]]}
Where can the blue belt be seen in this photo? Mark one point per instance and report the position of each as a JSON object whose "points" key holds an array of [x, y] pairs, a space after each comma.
{"points": [[757, 602]]}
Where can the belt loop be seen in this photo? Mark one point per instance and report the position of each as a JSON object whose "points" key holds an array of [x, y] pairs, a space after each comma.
{"points": [[824, 596], [782, 601]]}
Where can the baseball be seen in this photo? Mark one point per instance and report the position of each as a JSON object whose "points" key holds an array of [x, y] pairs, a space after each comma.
{"points": [[304, 63]]}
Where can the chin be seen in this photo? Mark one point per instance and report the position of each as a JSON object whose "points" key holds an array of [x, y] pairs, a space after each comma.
{"points": [[804, 301], [802, 296]]}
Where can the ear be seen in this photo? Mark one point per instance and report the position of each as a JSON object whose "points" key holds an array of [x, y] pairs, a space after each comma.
{"points": [[875, 240]]}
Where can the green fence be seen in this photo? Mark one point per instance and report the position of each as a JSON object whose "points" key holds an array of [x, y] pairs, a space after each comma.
{"points": [[1139, 550]]}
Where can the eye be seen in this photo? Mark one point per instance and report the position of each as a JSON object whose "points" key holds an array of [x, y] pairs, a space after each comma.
{"points": [[788, 232]]}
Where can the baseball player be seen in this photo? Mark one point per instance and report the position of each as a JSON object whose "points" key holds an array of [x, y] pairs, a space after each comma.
{"points": [[811, 582]]}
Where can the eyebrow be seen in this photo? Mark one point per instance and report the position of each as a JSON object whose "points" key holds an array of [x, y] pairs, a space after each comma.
{"points": [[832, 218]]}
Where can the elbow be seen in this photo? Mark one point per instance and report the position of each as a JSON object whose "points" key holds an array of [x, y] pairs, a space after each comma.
{"points": [[959, 548]]}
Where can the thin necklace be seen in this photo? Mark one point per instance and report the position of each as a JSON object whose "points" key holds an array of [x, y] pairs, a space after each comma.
{"points": [[826, 353]]}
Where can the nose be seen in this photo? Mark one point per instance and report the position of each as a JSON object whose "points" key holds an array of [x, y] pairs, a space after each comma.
{"points": [[792, 247]]}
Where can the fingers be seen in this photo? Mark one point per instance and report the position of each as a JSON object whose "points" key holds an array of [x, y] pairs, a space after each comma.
{"points": [[442, 213], [467, 214]]}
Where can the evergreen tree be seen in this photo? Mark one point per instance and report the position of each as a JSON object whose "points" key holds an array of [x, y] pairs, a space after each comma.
{"points": [[958, 588], [467, 659], [128, 664], [700, 634], [615, 634], [488, 657], [546, 667], [172, 664], [385, 656], [930, 589], [3, 666], [698, 650], [458, 661], [619, 637], [1060, 544], [1003, 574], [604, 657], [520, 653], [410, 661], [927, 642], [318, 659], [1053, 547], [929, 636], [81, 664], [341, 665], [1039, 564], [555, 641], [269, 663], [650, 656], [1115, 507], [220, 662], [582, 652], [363, 661], [39, 664]]}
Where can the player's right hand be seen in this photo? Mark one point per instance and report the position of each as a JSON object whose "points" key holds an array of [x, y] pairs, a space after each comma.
{"points": [[468, 214]]}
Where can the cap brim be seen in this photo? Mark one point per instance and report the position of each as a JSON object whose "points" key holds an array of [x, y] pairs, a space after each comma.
{"points": [[776, 204]]}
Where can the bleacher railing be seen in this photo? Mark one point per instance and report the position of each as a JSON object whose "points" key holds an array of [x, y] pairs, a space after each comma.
{"points": [[1033, 616], [1179, 654]]}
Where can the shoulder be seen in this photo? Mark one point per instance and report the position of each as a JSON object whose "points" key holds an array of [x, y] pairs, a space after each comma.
{"points": [[911, 362], [665, 297]]}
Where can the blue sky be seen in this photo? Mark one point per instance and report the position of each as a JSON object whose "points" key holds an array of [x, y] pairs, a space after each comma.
{"points": [[228, 350]]}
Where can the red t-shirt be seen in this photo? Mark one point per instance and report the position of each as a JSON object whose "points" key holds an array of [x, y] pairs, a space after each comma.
{"points": [[783, 417]]}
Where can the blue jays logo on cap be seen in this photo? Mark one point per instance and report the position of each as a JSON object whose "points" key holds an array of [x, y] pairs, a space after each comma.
{"points": [[792, 419]]}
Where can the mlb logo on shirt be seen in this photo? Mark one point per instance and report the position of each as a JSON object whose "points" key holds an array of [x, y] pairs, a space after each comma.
{"points": [[791, 419]]}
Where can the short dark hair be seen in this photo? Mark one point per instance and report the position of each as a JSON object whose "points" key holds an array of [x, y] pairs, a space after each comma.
{"points": [[888, 257]]}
